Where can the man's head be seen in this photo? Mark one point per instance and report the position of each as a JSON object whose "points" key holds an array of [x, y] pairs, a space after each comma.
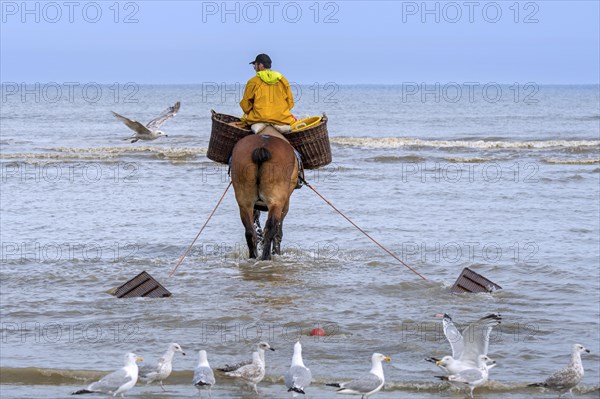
{"points": [[262, 59]]}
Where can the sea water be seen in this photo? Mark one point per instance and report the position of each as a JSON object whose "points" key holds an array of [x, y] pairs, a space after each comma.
{"points": [[505, 184]]}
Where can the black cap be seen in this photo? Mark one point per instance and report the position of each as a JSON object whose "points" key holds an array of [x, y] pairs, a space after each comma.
{"points": [[262, 59]]}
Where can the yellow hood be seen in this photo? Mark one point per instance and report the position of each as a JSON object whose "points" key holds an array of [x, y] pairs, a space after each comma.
{"points": [[269, 77]]}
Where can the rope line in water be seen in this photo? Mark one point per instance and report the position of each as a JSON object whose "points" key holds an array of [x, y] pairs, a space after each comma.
{"points": [[198, 235], [328, 203], [364, 232]]}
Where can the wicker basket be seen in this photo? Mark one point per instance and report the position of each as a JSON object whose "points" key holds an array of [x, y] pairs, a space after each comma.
{"points": [[223, 137], [312, 143]]}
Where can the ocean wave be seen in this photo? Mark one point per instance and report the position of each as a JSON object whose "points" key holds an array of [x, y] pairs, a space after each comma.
{"points": [[587, 161], [393, 159], [51, 376], [589, 118], [48, 376], [561, 180], [398, 142], [108, 153], [474, 159]]}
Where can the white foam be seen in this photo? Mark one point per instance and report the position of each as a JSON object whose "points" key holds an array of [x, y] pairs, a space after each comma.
{"points": [[398, 142], [107, 153], [589, 161]]}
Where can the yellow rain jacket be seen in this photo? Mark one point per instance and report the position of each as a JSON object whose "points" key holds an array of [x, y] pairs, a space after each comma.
{"points": [[268, 98]]}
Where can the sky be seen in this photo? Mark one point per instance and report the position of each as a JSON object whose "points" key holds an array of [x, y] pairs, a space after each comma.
{"points": [[346, 42]]}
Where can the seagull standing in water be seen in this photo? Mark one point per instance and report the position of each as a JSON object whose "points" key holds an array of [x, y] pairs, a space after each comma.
{"points": [[118, 382], [472, 377], [253, 373], [260, 348], [367, 384], [566, 379], [162, 369], [298, 376], [204, 377], [150, 131]]}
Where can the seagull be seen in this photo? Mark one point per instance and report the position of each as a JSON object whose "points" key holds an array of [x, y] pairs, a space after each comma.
{"points": [[367, 384], [203, 374], [472, 377], [150, 131], [118, 382], [452, 366], [253, 372], [298, 376], [162, 369], [260, 348], [468, 345], [566, 379]]}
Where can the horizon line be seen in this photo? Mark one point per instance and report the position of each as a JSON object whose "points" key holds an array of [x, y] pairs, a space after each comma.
{"points": [[3, 83]]}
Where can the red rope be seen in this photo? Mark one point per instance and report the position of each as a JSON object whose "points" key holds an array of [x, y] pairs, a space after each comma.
{"points": [[198, 235], [364, 232]]}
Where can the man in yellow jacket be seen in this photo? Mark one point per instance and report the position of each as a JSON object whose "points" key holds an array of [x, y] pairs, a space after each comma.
{"points": [[267, 97]]}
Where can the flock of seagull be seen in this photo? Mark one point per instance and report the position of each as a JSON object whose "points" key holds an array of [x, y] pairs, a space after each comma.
{"points": [[468, 366]]}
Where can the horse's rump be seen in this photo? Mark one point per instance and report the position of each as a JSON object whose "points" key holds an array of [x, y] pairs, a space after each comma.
{"points": [[260, 155]]}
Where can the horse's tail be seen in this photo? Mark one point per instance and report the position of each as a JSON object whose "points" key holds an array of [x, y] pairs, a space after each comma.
{"points": [[260, 155]]}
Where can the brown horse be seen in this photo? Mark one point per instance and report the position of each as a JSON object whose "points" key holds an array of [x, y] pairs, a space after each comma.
{"points": [[264, 173]]}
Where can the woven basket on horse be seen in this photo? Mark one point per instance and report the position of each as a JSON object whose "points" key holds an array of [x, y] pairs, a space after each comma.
{"points": [[312, 143]]}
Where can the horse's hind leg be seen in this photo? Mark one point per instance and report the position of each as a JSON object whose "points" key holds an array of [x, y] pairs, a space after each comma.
{"points": [[271, 227], [257, 226], [278, 237], [247, 216]]}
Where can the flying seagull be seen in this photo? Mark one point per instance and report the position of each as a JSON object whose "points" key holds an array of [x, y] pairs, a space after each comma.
{"points": [[150, 131]]}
